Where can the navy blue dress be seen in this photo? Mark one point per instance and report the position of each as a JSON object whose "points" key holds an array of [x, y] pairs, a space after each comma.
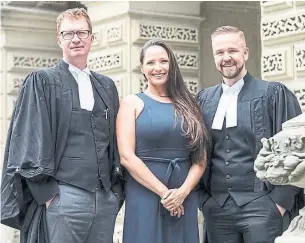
{"points": [[162, 147]]}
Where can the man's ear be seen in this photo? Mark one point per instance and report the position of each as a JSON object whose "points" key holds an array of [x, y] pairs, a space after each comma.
{"points": [[58, 41], [92, 38], [246, 54]]}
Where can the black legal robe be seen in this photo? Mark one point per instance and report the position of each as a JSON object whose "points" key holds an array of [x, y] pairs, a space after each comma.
{"points": [[262, 108], [35, 143]]}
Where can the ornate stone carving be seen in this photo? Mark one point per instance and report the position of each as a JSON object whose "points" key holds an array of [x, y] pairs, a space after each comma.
{"points": [[300, 58], [34, 62], [192, 85], [273, 63], [106, 62], [287, 25], [114, 33], [17, 82], [97, 38], [282, 162], [276, 64], [172, 33], [143, 84], [118, 81], [187, 60], [300, 94]]}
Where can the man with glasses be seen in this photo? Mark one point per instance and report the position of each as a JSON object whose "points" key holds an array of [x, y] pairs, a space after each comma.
{"points": [[62, 177]]}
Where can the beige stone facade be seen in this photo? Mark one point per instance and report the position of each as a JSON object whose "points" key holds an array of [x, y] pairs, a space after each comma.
{"points": [[28, 33]]}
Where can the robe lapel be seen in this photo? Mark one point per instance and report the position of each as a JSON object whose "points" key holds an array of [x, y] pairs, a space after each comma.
{"points": [[66, 108], [211, 107], [102, 91]]}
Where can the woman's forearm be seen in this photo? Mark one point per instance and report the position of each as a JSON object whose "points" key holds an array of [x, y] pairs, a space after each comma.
{"points": [[140, 172], [193, 177]]}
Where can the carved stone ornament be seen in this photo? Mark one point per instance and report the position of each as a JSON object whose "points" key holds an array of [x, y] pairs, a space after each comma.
{"points": [[114, 33], [300, 94], [192, 85], [172, 33], [34, 62], [290, 25], [106, 62], [17, 82], [281, 161], [277, 64], [273, 63], [187, 60], [300, 58]]}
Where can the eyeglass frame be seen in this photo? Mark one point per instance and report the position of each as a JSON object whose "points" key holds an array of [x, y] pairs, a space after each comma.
{"points": [[75, 32]]}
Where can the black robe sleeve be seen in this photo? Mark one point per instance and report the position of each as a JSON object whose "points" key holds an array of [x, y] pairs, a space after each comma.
{"points": [[31, 147], [118, 172], [282, 105]]}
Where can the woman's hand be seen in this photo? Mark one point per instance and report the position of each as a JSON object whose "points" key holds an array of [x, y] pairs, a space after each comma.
{"points": [[174, 198], [177, 212]]}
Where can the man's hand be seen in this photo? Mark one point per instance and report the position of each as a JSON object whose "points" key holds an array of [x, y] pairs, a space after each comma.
{"points": [[281, 209], [49, 202]]}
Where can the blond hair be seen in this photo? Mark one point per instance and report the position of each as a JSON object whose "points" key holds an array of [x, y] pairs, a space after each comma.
{"points": [[73, 13], [227, 29]]}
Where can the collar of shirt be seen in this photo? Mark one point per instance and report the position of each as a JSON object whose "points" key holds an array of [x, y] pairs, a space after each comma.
{"points": [[227, 106], [235, 88], [75, 70]]}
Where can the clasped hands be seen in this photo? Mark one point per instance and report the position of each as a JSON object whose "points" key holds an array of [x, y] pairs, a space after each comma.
{"points": [[173, 199]]}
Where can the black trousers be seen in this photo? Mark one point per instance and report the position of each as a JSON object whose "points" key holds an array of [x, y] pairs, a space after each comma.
{"points": [[79, 216], [259, 221]]}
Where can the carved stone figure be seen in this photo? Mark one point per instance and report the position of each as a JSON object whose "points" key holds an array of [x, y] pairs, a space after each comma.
{"points": [[281, 161]]}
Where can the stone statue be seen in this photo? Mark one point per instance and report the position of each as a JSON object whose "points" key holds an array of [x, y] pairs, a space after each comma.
{"points": [[281, 161]]}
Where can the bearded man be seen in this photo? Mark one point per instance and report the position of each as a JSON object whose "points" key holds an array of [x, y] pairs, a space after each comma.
{"points": [[239, 112]]}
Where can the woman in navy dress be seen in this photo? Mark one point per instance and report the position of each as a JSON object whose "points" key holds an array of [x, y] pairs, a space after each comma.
{"points": [[162, 142]]}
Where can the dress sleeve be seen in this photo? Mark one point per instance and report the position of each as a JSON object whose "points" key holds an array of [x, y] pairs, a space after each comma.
{"points": [[282, 106], [31, 145]]}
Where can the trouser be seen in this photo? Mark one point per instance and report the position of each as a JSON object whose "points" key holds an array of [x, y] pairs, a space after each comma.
{"points": [[80, 216], [259, 221]]}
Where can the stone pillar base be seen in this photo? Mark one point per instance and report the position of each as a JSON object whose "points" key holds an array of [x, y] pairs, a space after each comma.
{"points": [[290, 239]]}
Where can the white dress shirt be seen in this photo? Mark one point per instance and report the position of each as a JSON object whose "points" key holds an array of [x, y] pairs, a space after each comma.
{"points": [[85, 91], [227, 106]]}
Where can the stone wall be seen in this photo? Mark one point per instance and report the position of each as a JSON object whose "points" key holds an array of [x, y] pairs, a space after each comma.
{"points": [[283, 48]]}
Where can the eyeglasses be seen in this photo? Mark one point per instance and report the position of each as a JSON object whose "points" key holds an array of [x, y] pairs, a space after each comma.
{"points": [[69, 35]]}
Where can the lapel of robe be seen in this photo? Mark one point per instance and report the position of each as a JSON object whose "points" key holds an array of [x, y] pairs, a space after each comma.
{"points": [[105, 93], [102, 91], [211, 106], [66, 109]]}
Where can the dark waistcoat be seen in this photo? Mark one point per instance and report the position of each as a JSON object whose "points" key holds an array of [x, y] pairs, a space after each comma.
{"points": [[232, 167], [85, 159]]}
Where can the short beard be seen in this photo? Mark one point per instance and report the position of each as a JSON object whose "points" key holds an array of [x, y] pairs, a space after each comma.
{"points": [[233, 75]]}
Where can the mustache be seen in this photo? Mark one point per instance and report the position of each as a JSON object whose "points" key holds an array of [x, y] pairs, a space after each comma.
{"points": [[228, 64]]}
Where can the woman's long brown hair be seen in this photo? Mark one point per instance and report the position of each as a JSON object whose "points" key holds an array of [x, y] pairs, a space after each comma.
{"points": [[192, 124]]}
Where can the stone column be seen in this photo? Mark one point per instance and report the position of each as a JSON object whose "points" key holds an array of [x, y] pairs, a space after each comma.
{"points": [[283, 48], [28, 42], [121, 29]]}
